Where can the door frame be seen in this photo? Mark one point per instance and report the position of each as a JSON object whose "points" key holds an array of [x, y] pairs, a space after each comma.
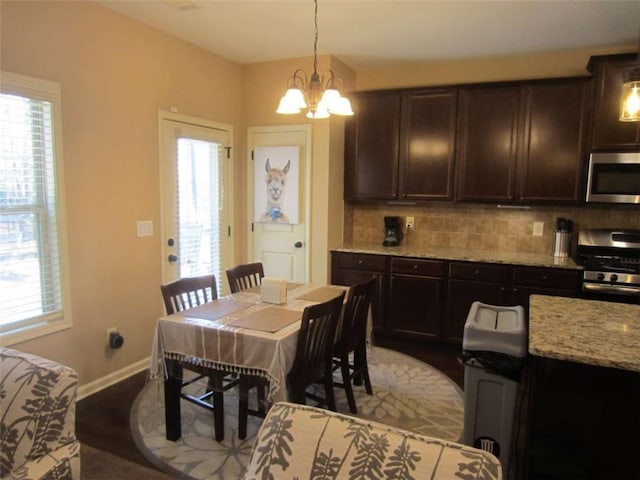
{"points": [[199, 122], [305, 129]]}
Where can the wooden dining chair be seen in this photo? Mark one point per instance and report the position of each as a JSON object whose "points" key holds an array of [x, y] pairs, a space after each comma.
{"points": [[188, 293], [314, 353], [353, 339], [178, 296], [244, 276]]}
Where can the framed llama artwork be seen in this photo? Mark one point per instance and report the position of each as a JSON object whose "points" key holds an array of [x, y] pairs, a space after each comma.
{"points": [[276, 185]]}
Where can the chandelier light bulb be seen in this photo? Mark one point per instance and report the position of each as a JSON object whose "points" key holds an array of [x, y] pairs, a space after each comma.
{"points": [[342, 107]]}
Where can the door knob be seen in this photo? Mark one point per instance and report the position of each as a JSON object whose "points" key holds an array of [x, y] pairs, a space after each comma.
{"points": [[172, 258], [298, 244]]}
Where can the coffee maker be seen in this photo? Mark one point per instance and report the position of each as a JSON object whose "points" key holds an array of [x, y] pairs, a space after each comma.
{"points": [[392, 231]]}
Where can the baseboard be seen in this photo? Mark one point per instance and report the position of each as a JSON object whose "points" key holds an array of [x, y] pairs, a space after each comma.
{"points": [[111, 379]]}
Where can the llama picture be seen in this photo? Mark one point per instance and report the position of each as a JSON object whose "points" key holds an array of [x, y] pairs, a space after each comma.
{"points": [[276, 185], [276, 180]]}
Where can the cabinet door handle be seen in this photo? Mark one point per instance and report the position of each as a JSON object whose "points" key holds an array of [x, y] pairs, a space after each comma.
{"points": [[415, 267], [544, 277], [476, 272], [359, 262]]}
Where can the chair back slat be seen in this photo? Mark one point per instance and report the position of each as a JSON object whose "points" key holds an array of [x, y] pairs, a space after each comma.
{"points": [[314, 351], [354, 321], [188, 292], [242, 277]]}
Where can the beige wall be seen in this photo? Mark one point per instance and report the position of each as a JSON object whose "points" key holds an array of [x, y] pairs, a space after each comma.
{"points": [[115, 75], [570, 63]]}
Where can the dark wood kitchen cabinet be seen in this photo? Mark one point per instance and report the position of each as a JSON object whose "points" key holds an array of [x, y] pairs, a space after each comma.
{"points": [[372, 146], [503, 285], [351, 268], [522, 143], [526, 281], [609, 133], [551, 159], [427, 144], [400, 146], [470, 282], [487, 141], [416, 289]]}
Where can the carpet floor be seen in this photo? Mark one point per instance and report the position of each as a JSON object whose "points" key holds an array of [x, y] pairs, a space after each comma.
{"points": [[407, 393]]}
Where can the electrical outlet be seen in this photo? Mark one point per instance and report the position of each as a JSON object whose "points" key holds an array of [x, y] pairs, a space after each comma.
{"points": [[109, 332], [409, 222], [538, 228]]}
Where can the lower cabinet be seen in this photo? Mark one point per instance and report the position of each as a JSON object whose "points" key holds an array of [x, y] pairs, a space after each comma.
{"points": [[351, 268], [504, 285], [430, 299], [468, 283], [416, 295]]}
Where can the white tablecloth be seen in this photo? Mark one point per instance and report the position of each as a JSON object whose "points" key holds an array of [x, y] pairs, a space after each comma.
{"points": [[203, 335]]}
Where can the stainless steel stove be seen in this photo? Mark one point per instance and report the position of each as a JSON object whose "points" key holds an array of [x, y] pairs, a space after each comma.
{"points": [[611, 262]]}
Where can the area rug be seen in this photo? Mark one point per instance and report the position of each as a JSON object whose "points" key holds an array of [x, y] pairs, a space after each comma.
{"points": [[407, 393]]}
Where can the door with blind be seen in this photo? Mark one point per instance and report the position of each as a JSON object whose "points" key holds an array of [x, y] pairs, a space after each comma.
{"points": [[196, 179]]}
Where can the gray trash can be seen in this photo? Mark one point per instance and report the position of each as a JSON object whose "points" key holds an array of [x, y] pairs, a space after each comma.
{"points": [[494, 348]]}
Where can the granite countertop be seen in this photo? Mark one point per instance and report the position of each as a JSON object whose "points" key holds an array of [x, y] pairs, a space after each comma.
{"points": [[593, 332], [511, 258]]}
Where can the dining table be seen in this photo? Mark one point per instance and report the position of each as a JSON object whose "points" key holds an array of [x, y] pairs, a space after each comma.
{"points": [[238, 333]]}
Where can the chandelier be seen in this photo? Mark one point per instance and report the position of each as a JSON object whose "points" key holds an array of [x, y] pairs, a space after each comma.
{"points": [[319, 93], [630, 101]]}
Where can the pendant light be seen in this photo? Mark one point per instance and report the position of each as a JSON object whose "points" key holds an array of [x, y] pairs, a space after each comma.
{"points": [[319, 93], [630, 101]]}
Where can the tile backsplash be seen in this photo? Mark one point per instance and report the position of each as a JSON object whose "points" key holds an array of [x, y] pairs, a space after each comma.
{"points": [[482, 227]]}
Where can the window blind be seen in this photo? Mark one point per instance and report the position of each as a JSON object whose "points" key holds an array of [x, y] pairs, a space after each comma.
{"points": [[30, 273], [199, 208]]}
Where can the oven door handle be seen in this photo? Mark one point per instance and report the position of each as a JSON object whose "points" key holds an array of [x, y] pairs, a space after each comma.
{"points": [[618, 289]]}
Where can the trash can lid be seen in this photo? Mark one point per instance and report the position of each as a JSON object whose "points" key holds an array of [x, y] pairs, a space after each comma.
{"points": [[492, 328]]}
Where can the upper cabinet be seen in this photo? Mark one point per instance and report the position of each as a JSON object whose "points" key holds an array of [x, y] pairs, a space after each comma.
{"points": [[518, 142], [487, 141], [522, 143], [427, 144], [609, 133], [371, 146], [552, 154], [400, 145]]}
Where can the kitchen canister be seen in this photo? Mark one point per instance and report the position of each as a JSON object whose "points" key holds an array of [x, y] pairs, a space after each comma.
{"points": [[562, 237]]}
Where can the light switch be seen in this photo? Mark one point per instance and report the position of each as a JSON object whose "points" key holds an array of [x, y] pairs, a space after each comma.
{"points": [[145, 228]]}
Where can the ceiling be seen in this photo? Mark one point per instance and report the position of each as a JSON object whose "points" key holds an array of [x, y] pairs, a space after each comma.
{"points": [[384, 33]]}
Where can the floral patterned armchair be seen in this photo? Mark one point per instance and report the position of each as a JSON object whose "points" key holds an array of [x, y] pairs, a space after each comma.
{"points": [[37, 418], [299, 441]]}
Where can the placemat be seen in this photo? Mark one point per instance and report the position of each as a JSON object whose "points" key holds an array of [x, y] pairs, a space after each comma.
{"points": [[216, 309], [322, 294], [270, 319]]}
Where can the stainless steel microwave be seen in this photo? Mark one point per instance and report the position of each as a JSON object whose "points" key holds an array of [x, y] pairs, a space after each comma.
{"points": [[614, 178]]}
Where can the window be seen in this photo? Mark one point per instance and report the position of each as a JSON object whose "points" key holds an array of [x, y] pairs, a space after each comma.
{"points": [[33, 290]]}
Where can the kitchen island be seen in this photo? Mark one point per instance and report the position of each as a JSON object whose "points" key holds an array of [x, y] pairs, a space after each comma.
{"points": [[583, 398], [591, 332]]}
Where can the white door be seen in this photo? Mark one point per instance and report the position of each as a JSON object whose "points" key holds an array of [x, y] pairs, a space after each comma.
{"points": [[283, 248], [195, 169]]}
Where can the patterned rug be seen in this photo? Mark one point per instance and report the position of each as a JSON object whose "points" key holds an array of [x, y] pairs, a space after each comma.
{"points": [[407, 393]]}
